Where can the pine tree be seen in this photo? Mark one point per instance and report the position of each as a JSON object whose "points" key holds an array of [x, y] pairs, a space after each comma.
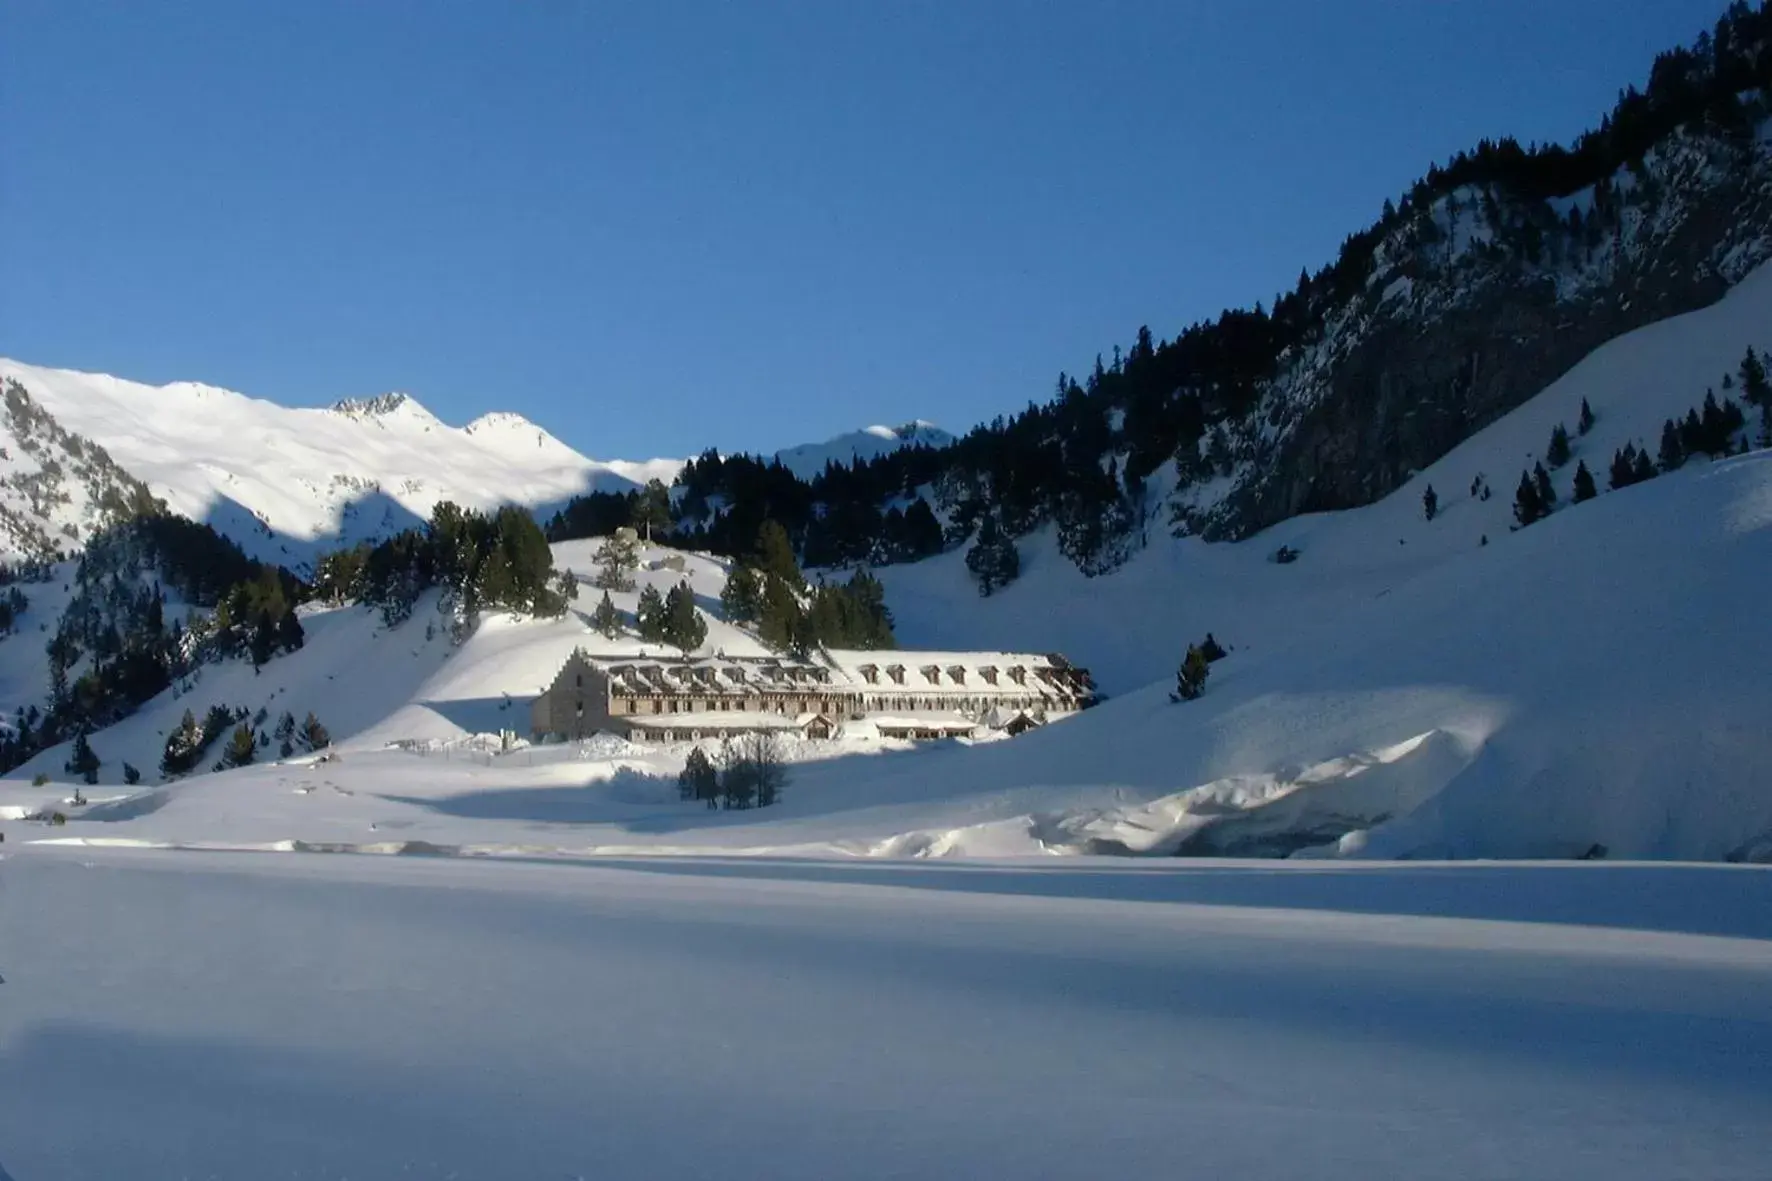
{"points": [[652, 509], [649, 619], [993, 559], [1584, 483], [1190, 680], [1585, 423], [1642, 468], [290, 636], [741, 599], [1754, 384], [1673, 453], [566, 585], [1212, 650], [606, 619], [781, 622], [183, 747], [1557, 453], [131, 775], [264, 639], [1430, 502], [1528, 506], [683, 624], [700, 780], [1547, 495], [81, 759], [242, 748], [615, 559], [775, 555], [313, 735], [1620, 472]]}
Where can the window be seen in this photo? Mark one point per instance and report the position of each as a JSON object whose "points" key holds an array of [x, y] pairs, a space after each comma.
{"points": [[578, 681]]}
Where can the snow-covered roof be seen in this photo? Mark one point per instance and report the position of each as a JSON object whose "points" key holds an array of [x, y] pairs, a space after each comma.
{"points": [[957, 674]]}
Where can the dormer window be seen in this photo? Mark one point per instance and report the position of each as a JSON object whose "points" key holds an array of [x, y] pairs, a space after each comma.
{"points": [[1018, 674], [957, 673], [989, 673], [870, 673], [932, 673], [896, 672]]}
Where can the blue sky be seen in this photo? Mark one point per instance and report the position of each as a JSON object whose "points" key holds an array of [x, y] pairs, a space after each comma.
{"points": [[655, 227]]}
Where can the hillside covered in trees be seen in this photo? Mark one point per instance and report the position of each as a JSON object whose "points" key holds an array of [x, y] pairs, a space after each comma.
{"points": [[1487, 279]]}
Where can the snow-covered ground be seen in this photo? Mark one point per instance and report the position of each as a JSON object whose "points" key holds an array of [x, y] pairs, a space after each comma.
{"points": [[175, 1015], [1594, 684]]}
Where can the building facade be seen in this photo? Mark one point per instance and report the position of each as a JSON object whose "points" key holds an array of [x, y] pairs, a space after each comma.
{"points": [[894, 694]]}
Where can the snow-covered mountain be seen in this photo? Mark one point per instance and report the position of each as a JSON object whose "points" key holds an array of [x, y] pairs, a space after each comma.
{"points": [[808, 459], [1406, 687], [77, 448], [283, 482]]}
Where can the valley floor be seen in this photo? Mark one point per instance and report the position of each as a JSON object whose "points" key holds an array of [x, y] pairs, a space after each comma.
{"points": [[182, 1014]]}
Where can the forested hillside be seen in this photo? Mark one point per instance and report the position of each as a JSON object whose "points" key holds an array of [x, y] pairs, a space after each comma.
{"points": [[1478, 287]]}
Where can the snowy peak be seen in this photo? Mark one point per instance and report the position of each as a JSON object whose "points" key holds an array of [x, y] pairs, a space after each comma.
{"points": [[382, 406], [285, 483], [808, 459]]}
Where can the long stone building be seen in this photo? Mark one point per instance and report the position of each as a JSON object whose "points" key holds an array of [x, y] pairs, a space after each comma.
{"points": [[894, 694]]}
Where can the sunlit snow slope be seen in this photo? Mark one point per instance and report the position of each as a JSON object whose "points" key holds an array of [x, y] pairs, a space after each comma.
{"points": [[284, 482]]}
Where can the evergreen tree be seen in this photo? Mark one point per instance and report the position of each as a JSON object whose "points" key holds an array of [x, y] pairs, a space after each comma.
{"points": [[1642, 468], [264, 639], [922, 530], [775, 555], [1585, 423], [81, 759], [616, 558], [781, 623], [183, 747], [652, 509], [1673, 453], [242, 748], [313, 735], [1430, 502], [1621, 475], [1754, 385], [1584, 483], [1557, 453], [650, 619], [1211, 649], [566, 585], [700, 780], [684, 627], [993, 559], [741, 599], [1528, 505], [606, 619], [131, 775], [1547, 495], [290, 636], [1190, 680]]}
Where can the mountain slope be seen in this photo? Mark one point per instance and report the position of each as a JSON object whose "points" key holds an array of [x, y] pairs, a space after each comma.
{"points": [[286, 483], [1130, 626], [808, 459]]}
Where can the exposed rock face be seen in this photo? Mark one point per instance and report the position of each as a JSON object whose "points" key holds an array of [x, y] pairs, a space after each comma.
{"points": [[1468, 317], [56, 487]]}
